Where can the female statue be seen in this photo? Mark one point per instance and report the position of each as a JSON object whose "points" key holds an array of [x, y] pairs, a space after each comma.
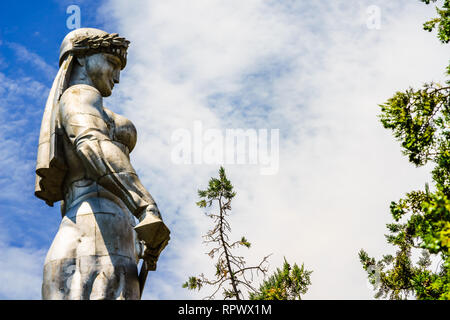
{"points": [[83, 160]]}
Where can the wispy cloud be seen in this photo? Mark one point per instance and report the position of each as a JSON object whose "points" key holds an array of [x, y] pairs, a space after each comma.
{"points": [[23, 54], [21, 271]]}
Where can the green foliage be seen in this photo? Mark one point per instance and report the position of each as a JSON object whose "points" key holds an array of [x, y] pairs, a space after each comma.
{"points": [[420, 120], [286, 284], [193, 283], [442, 22], [244, 242]]}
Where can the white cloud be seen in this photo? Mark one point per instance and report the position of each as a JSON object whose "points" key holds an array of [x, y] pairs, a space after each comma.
{"points": [[21, 275], [22, 228], [314, 71], [21, 269], [17, 136]]}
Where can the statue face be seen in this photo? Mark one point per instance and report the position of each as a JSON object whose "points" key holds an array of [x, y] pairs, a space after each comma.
{"points": [[104, 71]]}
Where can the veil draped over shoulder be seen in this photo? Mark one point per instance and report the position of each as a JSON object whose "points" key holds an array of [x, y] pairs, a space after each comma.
{"points": [[50, 166]]}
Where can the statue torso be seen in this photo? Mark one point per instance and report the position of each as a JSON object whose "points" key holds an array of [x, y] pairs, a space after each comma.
{"points": [[121, 131]]}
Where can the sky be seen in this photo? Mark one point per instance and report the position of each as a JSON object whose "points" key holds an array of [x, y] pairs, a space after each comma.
{"points": [[306, 77]]}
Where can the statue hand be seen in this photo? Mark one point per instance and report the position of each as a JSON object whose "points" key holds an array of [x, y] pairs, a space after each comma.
{"points": [[154, 235]]}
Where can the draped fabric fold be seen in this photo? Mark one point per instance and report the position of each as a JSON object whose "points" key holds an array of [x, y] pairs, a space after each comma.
{"points": [[50, 166]]}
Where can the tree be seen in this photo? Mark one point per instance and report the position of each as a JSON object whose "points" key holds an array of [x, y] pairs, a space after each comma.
{"points": [[231, 270], [286, 284], [442, 23], [232, 274], [420, 120]]}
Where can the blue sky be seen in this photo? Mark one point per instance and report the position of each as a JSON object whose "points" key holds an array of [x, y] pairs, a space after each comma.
{"points": [[313, 70]]}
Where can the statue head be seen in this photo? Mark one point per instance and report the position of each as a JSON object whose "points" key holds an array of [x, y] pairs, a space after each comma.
{"points": [[98, 56]]}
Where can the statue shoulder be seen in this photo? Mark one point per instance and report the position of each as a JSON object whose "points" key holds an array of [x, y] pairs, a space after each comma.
{"points": [[81, 98]]}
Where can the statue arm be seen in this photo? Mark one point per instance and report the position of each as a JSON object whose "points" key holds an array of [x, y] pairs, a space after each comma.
{"points": [[105, 162]]}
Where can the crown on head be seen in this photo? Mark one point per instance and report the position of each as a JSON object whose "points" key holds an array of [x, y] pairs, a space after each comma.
{"points": [[108, 43]]}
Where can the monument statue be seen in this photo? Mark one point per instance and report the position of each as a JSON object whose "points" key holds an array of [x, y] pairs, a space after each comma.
{"points": [[109, 220]]}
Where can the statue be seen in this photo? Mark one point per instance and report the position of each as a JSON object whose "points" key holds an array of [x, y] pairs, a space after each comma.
{"points": [[109, 220]]}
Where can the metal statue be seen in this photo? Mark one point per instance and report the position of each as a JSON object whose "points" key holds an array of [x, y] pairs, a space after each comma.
{"points": [[109, 220]]}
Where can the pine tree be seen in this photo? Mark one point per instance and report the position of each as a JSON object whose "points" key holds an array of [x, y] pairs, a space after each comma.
{"points": [[232, 274]]}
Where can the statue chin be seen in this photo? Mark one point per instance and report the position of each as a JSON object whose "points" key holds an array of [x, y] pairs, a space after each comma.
{"points": [[105, 92], [104, 89]]}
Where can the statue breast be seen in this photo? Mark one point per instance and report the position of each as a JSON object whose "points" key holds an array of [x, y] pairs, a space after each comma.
{"points": [[123, 130]]}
